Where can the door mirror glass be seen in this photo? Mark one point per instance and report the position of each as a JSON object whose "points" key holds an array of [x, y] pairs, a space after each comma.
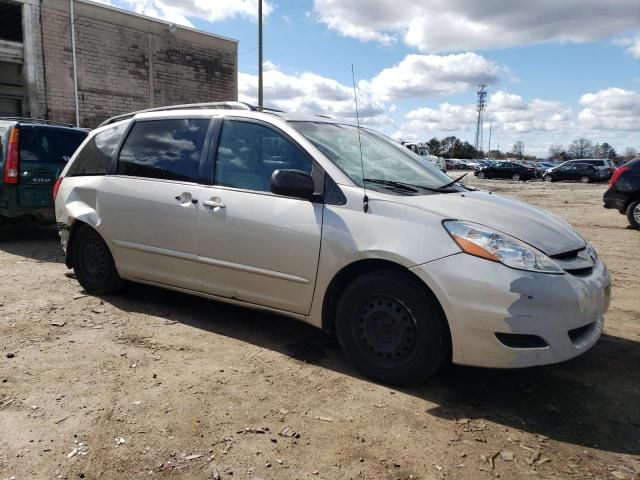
{"points": [[292, 183]]}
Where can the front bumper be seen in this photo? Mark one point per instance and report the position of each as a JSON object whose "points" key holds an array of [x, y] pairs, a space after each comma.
{"points": [[482, 298]]}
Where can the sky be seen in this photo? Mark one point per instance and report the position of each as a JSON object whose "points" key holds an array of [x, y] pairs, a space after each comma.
{"points": [[555, 70]]}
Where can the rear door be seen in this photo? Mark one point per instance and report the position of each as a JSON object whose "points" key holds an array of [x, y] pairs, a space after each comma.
{"points": [[259, 247], [44, 152], [149, 206]]}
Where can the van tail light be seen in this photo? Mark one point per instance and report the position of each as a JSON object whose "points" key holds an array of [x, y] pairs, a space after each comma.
{"points": [[12, 164], [616, 174], [56, 187]]}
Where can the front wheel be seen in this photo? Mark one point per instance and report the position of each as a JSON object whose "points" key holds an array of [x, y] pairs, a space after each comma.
{"points": [[93, 264], [548, 178], [633, 214], [481, 175], [392, 328]]}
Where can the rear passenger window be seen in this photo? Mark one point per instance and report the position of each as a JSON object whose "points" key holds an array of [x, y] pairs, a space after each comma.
{"points": [[164, 149], [95, 157], [249, 153]]}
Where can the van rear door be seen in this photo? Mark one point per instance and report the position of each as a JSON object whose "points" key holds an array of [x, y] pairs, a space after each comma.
{"points": [[44, 152]]}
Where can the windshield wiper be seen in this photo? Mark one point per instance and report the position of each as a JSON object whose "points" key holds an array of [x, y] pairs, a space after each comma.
{"points": [[452, 182], [390, 183]]}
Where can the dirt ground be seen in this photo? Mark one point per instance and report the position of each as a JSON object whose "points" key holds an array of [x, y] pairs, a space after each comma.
{"points": [[154, 384]]}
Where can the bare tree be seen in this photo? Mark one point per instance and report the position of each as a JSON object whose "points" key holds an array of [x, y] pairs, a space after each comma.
{"points": [[581, 148], [518, 149], [629, 153], [556, 152]]}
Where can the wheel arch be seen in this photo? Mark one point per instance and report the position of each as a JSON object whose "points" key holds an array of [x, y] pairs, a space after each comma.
{"points": [[354, 270]]}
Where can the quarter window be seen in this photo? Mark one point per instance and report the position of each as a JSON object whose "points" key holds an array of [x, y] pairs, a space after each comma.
{"points": [[164, 149], [249, 153], [95, 157]]}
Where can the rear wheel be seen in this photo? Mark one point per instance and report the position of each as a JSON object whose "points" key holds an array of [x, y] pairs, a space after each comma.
{"points": [[392, 328], [585, 179], [93, 264], [516, 177], [633, 214]]}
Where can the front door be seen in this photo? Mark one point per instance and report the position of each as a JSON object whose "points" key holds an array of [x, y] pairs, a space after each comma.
{"points": [[258, 247], [149, 208]]}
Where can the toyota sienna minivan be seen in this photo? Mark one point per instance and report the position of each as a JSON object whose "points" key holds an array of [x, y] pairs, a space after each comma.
{"points": [[333, 225]]}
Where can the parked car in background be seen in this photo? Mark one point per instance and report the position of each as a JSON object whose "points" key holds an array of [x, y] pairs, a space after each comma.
{"points": [[573, 171], [542, 167], [604, 166], [234, 205], [624, 192], [32, 155], [512, 170], [423, 151]]}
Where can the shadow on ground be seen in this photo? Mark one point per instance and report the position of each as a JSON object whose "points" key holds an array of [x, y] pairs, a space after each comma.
{"points": [[34, 241], [593, 401]]}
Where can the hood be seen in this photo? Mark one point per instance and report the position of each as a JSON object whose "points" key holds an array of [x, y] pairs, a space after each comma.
{"points": [[538, 228]]}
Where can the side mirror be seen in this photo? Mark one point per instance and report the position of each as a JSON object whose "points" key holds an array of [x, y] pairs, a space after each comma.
{"points": [[292, 183]]}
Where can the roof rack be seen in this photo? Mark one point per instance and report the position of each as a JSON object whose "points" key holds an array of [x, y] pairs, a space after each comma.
{"points": [[193, 106], [36, 120]]}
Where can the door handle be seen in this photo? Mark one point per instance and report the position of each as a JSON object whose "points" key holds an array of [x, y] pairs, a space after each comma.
{"points": [[213, 204]]}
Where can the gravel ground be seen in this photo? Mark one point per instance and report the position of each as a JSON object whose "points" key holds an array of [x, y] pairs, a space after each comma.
{"points": [[156, 384]]}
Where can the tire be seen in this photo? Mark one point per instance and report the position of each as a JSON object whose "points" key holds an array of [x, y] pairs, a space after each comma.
{"points": [[548, 178], [93, 264], [392, 328], [516, 177], [481, 175], [584, 179], [633, 214]]}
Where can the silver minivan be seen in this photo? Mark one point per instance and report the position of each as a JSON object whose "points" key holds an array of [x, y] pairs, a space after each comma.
{"points": [[334, 225]]}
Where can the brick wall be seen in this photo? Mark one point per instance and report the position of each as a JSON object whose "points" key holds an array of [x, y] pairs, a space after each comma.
{"points": [[114, 51]]}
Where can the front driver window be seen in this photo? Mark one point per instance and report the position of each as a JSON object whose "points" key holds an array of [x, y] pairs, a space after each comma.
{"points": [[249, 153]]}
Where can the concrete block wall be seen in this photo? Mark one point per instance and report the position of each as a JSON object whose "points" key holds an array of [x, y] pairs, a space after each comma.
{"points": [[125, 63]]}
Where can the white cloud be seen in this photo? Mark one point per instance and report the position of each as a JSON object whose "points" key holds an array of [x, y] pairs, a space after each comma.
{"points": [[611, 109], [632, 44], [310, 93], [459, 25], [611, 115], [177, 11], [427, 76]]}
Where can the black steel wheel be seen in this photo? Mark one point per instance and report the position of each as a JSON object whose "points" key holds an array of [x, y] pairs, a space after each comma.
{"points": [[386, 332], [93, 264], [392, 328]]}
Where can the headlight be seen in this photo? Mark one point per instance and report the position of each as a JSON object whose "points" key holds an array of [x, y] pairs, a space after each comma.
{"points": [[484, 242]]}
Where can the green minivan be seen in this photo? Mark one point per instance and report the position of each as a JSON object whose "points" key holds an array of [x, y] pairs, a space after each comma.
{"points": [[32, 155]]}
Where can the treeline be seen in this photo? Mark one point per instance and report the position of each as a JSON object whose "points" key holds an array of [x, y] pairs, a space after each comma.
{"points": [[453, 147], [585, 148]]}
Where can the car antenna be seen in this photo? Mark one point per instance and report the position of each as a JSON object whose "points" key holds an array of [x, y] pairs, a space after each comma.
{"points": [[365, 199]]}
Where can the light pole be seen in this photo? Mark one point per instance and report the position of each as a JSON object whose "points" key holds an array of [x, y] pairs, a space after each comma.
{"points": [[260, 95]]}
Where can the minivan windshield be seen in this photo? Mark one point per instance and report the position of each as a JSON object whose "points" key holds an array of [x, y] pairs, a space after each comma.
{"points": [[386, 163]]}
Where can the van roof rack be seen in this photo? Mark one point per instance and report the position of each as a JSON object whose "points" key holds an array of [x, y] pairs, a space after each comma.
{"points": [[37, 120], [193, 106]]}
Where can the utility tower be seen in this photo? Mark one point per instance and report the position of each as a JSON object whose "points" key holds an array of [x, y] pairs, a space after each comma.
{"points": [[482, 103]]}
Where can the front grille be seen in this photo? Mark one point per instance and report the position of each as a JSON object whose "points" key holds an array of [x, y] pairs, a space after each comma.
{"points": [[577, 333], [516, 340], [576, 262]]}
